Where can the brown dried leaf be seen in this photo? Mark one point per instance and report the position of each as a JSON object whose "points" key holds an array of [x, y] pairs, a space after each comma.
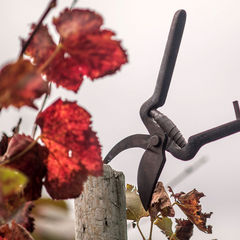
{"points": [[184, 229], [160, 203], [189, 204], [135, 209]]}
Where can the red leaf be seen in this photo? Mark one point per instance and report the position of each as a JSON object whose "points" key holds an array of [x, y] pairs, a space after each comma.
{"points": [[74, 150], [20, 84], [42, 45], [14, 232], [65, 71], [87, 50], [31, 163], [97, 53]]}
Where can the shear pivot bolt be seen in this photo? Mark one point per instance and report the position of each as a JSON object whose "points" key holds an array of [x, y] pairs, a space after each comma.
{"points": [[154, 140]]}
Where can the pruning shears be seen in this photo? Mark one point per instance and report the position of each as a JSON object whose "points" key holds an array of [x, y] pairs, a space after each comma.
{"points": [[163, 133]]}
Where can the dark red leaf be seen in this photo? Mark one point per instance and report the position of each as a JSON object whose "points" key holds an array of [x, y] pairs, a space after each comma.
{"points": [[20, 84], [74, 150], [184, 229], [3, 144], [31, 163]]}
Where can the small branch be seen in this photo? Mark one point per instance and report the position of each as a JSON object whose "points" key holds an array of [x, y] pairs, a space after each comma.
{"points": [[151, 230], [74, 2], [41, 109], [16, 129], [139, 229], [40, 70], [51, 5]]}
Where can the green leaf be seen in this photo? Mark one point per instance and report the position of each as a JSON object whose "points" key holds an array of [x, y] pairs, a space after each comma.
{"points": [[48, 202], [11, 181], [135, 209], [165, 224]]}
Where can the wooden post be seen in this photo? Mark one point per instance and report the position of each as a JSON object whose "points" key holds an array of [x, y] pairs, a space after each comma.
{"points": [[100, 211]]}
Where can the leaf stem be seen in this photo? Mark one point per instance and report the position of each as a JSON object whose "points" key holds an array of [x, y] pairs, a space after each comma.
{"points": [[51, 5], [74, 2], [151, 230], [15, 130], [49, 60], [139, 229], [173, 237]]}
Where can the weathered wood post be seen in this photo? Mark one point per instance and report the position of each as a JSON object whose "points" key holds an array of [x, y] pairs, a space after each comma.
{"points": [[100, 211]]}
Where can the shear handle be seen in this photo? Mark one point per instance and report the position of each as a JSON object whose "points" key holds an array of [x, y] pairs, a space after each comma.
{"points": [[195, 142], [166, 70], [169, 59]]}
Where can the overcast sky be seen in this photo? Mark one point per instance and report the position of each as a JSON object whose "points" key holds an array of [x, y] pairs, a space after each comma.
{"points": [[205, 82]]}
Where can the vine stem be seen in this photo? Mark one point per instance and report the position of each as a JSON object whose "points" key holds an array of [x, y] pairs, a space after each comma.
{"points": [[40, 70], [28, 148], [51, 5], [139, 229], [74, 2], [151, 230], [173, 236], [41, 109]]}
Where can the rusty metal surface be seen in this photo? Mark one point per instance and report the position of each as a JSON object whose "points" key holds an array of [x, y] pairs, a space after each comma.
{"points": [[163, 133]]}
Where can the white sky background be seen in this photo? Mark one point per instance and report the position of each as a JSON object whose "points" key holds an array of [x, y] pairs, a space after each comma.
{"points": [[205, 82]]}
